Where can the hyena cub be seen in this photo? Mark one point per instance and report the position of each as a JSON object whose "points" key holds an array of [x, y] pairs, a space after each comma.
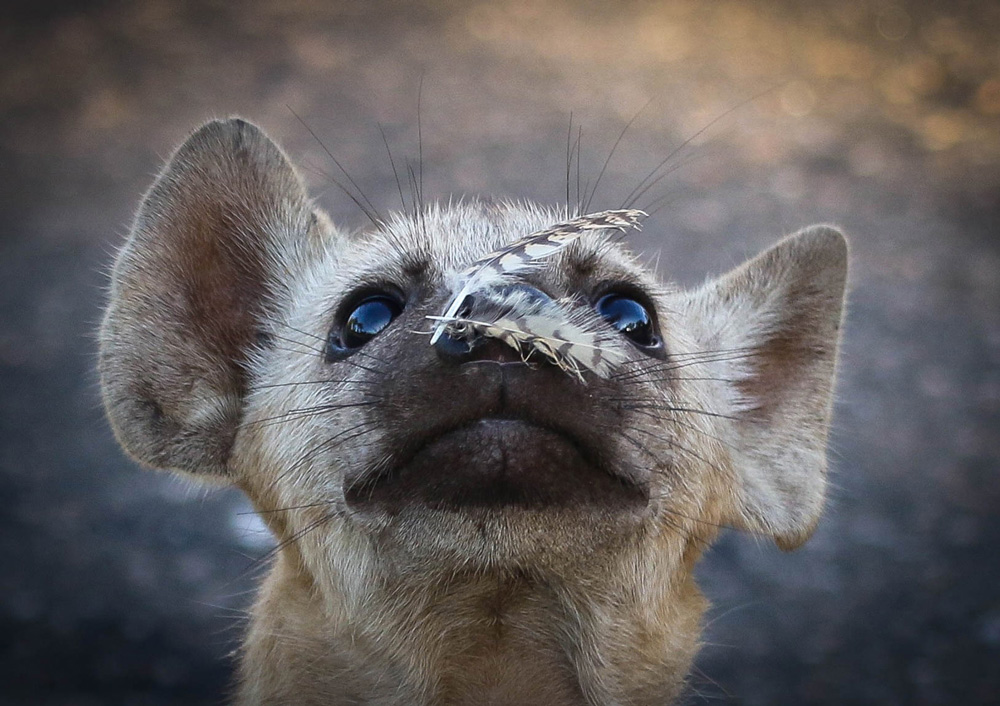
{"points": [[490, 444]]}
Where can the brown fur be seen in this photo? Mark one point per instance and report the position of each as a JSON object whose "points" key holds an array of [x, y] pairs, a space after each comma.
{"points": [[399, 579]]}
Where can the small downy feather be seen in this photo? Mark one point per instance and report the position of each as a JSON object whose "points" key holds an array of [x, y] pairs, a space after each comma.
{"points": [[525, 253]]}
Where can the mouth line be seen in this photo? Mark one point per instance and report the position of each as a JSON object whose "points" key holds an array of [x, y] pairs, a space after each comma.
{"points": [[403, 459], [393, 467]]}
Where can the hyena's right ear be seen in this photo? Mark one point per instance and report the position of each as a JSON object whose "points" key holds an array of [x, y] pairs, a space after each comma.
{"points": [[188, 292]]}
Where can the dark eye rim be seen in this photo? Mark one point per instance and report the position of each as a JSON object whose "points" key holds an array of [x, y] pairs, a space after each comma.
{"points": [[335, 348], [630, 291]]}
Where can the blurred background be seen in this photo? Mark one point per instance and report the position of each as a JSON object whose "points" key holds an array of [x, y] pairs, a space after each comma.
{"points": [[124, 586]]}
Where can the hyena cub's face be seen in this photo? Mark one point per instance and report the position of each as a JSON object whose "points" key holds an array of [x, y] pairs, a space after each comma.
{"points": [[465, 446], [249, 339]]}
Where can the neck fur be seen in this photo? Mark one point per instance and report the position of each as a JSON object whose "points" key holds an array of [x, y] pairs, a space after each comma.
{"points": [[625, 634]]}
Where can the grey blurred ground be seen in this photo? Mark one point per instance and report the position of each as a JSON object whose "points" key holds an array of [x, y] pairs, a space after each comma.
{"points": [[121, 586]]}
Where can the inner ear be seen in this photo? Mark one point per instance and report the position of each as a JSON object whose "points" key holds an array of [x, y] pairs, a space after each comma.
{"points": [[189, 290], [780, 316]]}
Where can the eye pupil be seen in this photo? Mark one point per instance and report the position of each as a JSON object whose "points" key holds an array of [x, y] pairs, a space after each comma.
{"points": [[367, 319], [629, 317]]}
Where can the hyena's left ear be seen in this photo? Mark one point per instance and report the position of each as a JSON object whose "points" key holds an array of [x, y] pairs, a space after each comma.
{"points": [[771, 328], [212, 244]]}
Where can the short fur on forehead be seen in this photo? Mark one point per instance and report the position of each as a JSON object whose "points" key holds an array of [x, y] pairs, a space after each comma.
{"points": [[448, 237]]}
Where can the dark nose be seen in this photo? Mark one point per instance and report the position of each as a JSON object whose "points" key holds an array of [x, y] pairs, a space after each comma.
{"points": [[468, 345], [473, 347], [457, 349]]}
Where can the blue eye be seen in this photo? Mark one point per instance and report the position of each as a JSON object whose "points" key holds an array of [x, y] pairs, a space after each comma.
{"points": [[365, 320], [629, 317]]}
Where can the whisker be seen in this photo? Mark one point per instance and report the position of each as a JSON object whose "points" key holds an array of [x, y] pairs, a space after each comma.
{"points": [[632, 195], [668, 408], [674, 444], [317, 351], [325, 445], [708, 351], [649, 413], [375, 471], [653, 205], [420, 145], [371, 212], [321, 339], [670, 365], [330, 381], [371, 356], [294, 538], [286, 509], [349, 434], [579, 158], [307, 412], [293, 350], [614, 147], [711, 354], [356, 364], [392, 163], [693, 378], [336, 182], [569, 156]]}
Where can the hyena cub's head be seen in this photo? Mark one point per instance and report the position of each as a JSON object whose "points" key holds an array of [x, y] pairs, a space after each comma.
{"points": [[570, 417]]}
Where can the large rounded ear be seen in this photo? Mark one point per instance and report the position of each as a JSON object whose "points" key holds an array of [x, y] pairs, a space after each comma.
{"points": [[774, 327], [188, 292]]}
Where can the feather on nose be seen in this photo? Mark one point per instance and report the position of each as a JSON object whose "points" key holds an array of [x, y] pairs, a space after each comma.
{"points": [[526, 319], [467, 339], [561, 332]]}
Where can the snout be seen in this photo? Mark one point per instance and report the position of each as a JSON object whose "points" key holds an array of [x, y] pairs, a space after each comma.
{"points": [[495, 431]]}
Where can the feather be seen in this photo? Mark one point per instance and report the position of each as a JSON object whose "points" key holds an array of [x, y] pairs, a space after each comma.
{"points": [[525, 253], [574, 338]]}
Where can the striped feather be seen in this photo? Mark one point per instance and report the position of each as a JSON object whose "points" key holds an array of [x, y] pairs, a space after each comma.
{"points": [[524, 253], [573, 338]]}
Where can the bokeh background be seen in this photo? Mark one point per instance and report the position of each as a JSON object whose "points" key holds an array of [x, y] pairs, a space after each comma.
{"points": [[124, 586]]}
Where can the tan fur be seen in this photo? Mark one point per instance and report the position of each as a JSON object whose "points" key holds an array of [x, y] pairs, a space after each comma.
{"points": [[221, 300]]}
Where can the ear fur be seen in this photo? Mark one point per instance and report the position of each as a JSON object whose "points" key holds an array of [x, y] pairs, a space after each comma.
{"points": [[777, 320], [188, 290]]}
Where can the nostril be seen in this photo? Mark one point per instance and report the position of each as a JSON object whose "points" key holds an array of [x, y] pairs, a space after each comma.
{"points": [[467, 339], [465, 308], [454, 348]]}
